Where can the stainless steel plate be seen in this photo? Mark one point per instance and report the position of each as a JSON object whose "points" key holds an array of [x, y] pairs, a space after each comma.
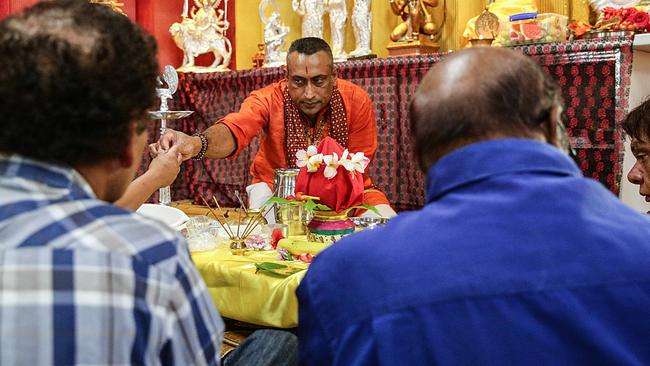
{"points": [[369, 222]]}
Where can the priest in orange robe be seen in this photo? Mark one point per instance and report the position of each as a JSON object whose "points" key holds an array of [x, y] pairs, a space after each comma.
{"points": [[297, 112]]}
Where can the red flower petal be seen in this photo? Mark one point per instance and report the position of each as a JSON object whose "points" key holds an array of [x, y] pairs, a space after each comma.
{"points": [[641, 19], [276, 236]]}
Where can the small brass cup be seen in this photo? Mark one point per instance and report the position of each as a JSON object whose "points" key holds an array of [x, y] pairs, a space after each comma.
{"points": [[237, 247]]}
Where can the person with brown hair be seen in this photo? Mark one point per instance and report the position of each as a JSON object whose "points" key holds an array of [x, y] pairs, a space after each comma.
{"points": [[637, 126]]}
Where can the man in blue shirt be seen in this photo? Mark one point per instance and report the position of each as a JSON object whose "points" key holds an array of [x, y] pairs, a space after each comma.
{"points": [[83, 281], [516, 258]]}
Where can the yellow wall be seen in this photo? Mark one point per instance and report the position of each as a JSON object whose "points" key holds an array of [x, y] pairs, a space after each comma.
{"points": [[250, 31]]}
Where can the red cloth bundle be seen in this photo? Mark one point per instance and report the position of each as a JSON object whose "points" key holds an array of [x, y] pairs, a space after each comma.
{"points": [[340, 192]]}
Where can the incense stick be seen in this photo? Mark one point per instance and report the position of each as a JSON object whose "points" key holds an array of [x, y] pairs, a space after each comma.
{"points": [[253, 222], [223, 223], [243, 206], [220, 209], [238, 223], [257, 220], [261, 213], [241, 202]]}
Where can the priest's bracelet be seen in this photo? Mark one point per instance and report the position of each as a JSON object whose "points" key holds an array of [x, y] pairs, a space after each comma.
{"points": [[204, 146]]}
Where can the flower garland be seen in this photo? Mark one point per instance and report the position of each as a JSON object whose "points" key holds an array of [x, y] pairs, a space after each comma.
{"points": [[313, 160], [615, 19]]}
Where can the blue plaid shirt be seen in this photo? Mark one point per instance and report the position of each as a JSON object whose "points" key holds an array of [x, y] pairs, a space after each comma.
{"points": [[85, 282]]}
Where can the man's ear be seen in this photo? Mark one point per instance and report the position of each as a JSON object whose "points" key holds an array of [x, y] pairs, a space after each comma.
{"points": [[126, 156], [552, 127]]}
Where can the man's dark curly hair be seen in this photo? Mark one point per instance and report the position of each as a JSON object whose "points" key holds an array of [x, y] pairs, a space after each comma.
{"points": [[637, 122], [73, 76]]}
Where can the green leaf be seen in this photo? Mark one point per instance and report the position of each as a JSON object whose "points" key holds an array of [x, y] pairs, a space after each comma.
{"points": [[322, 207], [266, 266], [367, 207], [286, 255], [310, 205], [278, 200], [276, 269]]}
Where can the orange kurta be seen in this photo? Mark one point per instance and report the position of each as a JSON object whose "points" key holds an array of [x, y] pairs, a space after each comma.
{"points": [[264, 110]]}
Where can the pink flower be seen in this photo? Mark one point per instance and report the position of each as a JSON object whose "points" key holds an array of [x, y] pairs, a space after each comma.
{"points": [[306, 257]]}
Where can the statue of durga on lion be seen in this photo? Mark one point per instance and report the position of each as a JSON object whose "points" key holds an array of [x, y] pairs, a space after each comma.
{"points": [[204, 31]]}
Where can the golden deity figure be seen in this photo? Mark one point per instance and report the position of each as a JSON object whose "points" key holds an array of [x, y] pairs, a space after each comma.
{"points": [[204, 31], [417, 19]]}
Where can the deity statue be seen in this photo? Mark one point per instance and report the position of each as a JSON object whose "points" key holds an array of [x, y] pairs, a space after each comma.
{"points": [[275, 33], [338, 11], [312, 12], [416, 18], [202, 32], [362, 25]]}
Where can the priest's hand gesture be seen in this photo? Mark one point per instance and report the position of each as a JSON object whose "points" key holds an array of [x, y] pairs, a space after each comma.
{"points": [[216, 142], [188, 146]]}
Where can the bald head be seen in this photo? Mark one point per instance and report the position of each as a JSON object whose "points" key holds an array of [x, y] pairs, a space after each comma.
{"points": [[479, 94]]}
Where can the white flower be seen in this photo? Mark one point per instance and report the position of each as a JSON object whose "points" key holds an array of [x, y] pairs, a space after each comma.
{"points": [[303, 157], [360, 162], [314, 162], [345, 162], [331, 165], [357, 162]]}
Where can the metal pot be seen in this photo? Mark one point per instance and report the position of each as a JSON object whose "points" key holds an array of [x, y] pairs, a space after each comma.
{"points": [[284, 185], [284, 182]]}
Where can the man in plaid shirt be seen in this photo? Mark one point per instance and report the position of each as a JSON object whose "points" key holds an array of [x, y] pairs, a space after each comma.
{"points": [[81, 280]]}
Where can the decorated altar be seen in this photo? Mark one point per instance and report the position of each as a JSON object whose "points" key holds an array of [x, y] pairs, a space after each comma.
{"points": [[594, 76]]}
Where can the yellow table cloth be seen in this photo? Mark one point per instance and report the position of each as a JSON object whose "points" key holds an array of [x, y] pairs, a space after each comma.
{"points": [[240, 293]]}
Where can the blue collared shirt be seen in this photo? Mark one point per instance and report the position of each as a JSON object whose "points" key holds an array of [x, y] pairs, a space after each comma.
{"points": [[85, 282], [515, 259]]}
